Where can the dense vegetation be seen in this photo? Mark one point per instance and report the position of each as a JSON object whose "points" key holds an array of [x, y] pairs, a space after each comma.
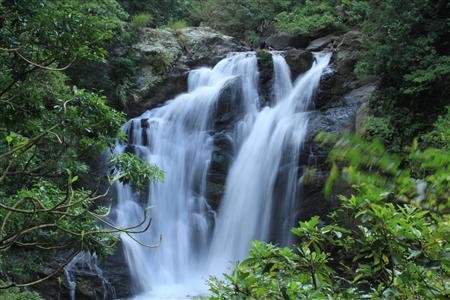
{"points": [[50, 132], [61, 75]]}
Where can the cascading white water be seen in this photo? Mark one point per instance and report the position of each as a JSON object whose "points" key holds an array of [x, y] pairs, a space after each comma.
{"points": [[86, 264], [282, 83], [272, 146], [177, 137]]}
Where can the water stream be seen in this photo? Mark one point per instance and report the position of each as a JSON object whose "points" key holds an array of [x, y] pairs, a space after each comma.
{"points": [[261, 186]]}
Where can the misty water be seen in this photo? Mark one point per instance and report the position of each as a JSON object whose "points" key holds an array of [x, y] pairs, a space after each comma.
{"points": [[261, 190]]}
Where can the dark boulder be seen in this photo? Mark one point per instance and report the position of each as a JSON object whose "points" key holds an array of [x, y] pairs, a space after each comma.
{"points": [[220, 163], [299, 61], [265, 67], [343, 78], [229, 106], [282, 41], [166, 56], [321, 43]]}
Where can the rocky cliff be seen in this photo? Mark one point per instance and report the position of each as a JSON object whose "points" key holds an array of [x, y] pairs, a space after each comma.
{"points": [[166, 56]]}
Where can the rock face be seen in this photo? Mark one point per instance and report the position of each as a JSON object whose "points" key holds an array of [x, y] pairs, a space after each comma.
{"points": [[89, 278], [166, 56], [283, 41], [321, 43], [299, 61], [337, 119], [341, 106]]}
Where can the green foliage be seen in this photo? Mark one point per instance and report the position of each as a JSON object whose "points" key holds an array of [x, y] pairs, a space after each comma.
{"points": [[440, 135], [61, 29], [242, 18], [176, 24], [406, 44], [140, 21], [378, 127], [389, 239], [17, 294], [36, 206], [254, 39], [161, 12], [129, 168], [355, 11], [310, 17], [52, 133], [252, 19]]}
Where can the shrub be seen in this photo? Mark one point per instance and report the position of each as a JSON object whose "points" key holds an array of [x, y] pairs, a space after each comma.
{"points": [[139, 21], [440, 135], [378, 127], [176, 24], [310, 17], [241, 18]]}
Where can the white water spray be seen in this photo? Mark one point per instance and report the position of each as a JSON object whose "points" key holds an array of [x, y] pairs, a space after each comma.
{"points": [[261, 186], [273, 145]]}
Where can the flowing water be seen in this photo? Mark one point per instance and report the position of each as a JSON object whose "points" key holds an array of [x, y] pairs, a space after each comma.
{"points": [[260, 190], [86, 265]]}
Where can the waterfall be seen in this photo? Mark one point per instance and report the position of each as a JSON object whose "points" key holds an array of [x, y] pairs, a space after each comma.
{"points": [[86, 264], [177, 138], [271, 147], [282, 84], [260, 190]]}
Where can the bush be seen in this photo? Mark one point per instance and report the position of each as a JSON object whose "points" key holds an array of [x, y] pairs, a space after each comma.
{"points": [[311, 17], [242, 18], [176, 24], [378, 127], [161, 11], [406, 45], [18, 294], [440, 135], [139, 21]]}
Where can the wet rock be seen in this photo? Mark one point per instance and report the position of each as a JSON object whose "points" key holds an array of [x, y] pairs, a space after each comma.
{"points": [[154, 89], [313, 202], [229, 106], [205, 46], [299, 61], [361, 95], [343, 78], [321, 43], [343, 117], [283, 41], [220, 163], [166, 56], [111, 281], [265, 67], [116, 271], [361, 118]]}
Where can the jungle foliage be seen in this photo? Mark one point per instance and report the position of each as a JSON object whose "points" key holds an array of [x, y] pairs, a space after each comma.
{"points": [[51, 133], [406, 44]]}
